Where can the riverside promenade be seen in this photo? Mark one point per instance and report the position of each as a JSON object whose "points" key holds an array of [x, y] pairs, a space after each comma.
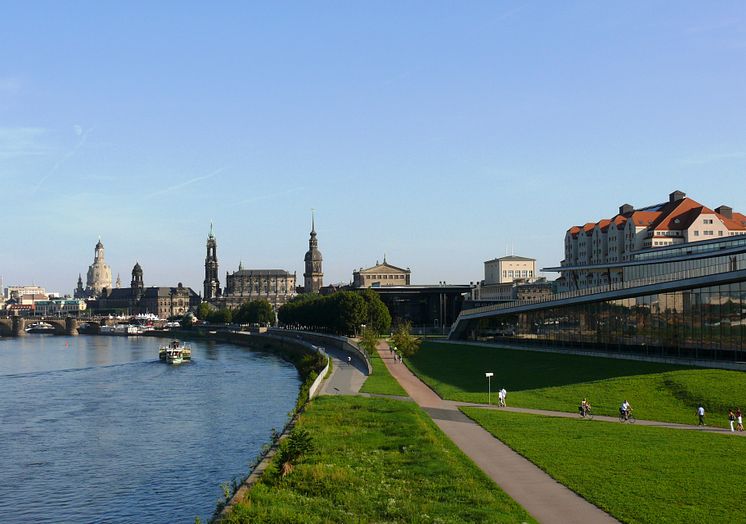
{"points": [[544, 498]]}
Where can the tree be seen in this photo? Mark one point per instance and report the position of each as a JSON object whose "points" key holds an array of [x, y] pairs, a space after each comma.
{"points": [[203, 311], [369, 340], [347, 312], [379, 317], [406, 343]]}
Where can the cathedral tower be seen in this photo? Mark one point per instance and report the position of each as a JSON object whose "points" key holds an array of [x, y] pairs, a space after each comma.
{"points": [[212, 284], [313, 278], [137, 286]]}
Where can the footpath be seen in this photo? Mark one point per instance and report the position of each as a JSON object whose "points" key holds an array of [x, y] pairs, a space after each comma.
{"points": [[544, 498]]}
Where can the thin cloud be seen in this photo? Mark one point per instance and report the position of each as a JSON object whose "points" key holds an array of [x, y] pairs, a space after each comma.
{"points": [[22, 141], [82, 137], [266, 197], [185, 183]]}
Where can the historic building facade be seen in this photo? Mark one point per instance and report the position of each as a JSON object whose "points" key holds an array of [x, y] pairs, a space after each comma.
{"points": [[162, 301], [381, 275], [99, 275], [313, 277], [276, 286]]}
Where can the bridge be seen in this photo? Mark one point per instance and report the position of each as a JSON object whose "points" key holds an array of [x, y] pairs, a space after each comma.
{"points": [[16, 326]]}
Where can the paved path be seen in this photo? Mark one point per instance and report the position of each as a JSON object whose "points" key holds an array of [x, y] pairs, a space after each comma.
{"points": [[346, 379], [545, 499], [565, 414]]}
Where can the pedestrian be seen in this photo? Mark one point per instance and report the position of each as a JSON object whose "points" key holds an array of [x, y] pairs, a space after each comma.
{"points": [[701, 415], [739, 420], [731, 419], [349, 361], [502, 396]]}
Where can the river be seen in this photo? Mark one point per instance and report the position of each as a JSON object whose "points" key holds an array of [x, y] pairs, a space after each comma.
{"points": [[97, 429]]}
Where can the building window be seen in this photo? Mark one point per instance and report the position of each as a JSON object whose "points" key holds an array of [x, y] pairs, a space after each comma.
{"points": [[696, 233]]}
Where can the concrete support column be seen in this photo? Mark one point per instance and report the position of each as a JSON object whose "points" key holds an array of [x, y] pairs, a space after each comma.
{"points": [[19, 327], [71, 326]]}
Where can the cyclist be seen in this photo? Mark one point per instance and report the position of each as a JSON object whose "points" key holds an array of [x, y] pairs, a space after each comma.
{"points": [[625, 410], [584, 408]]}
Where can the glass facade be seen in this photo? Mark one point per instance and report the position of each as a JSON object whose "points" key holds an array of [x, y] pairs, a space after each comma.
{"points": [[706, 323]]}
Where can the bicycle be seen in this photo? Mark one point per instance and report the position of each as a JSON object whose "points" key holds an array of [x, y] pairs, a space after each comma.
{"points": [[628, 418], [586, 414]]}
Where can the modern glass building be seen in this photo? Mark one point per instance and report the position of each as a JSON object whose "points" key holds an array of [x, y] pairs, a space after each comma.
{"points": [[687, 301]]}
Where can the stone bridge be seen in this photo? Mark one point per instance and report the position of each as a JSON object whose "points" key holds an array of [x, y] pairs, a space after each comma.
{"points": [[16, 326]]}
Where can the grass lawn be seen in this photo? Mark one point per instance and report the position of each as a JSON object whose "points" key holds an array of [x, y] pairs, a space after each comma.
{"points": [[381, 382], [635, 473], [559, 382], [377, 460]]}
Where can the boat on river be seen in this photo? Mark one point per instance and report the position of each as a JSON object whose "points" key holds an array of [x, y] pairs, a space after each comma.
{"points": [[175, 353]]}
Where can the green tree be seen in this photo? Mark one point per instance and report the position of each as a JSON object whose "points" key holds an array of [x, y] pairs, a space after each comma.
{"points": [[369, 340], [406, 343], [347, 312], [203, 311], [378, 315]]}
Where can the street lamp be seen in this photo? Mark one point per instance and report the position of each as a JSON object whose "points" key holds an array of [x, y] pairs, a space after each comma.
{"points": [[489, 386]]}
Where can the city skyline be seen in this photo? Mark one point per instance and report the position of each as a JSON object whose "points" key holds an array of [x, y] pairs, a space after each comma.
{"points": [[440, 137]]}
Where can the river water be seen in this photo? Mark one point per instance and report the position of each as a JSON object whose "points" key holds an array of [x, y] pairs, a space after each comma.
{"points": [[97, 429]]}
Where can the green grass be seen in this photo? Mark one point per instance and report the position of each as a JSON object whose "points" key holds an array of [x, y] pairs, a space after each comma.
{"points": [[377, 460], [560, 381], [380, 381], [635, 473]]}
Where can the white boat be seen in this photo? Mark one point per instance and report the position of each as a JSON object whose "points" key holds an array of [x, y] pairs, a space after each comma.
{"points": [[175, 351]]}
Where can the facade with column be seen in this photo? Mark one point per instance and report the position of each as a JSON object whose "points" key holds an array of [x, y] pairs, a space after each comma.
{"points": [[381, 275]]}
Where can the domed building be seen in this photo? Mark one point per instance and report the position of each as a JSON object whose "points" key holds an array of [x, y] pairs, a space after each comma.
{"points": [[99, 274]]}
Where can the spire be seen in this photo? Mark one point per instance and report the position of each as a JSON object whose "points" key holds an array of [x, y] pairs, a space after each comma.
{"points": [[211, 235], [240, 265], [313, 221], [384, 258]]}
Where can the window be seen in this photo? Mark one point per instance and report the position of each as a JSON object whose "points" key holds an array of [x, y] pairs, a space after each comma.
{"points": [[696, 233], [510, 273], [707, 221]]}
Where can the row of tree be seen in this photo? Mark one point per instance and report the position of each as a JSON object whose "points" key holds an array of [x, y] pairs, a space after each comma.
{"points": [[254, 312], [342, 313]]}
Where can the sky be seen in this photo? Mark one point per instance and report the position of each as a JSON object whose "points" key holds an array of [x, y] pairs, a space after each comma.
{"points": [[438, 134]]}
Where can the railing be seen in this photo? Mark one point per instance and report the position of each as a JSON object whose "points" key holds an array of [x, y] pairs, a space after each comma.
{"points": [[724, 267]]}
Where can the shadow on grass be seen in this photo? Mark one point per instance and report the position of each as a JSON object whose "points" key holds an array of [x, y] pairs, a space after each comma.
{"points": [[464, 366]]}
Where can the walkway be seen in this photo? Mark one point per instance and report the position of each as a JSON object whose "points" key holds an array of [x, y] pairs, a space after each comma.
{"points": [[603, 418], [346, 379], [545, 499]]}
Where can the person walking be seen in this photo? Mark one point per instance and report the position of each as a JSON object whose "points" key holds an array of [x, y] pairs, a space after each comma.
{"points": [[503, 395], [701, 415], [731, 419], [739, 420]]}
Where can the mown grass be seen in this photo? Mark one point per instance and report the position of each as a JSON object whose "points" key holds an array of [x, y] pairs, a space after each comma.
{"points": [[380, 381], [377, 460], [559, 382], [635, 473]]}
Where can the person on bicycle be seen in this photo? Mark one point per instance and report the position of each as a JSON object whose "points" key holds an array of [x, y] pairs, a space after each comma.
{"points": [[625, 410], [585, 407]]}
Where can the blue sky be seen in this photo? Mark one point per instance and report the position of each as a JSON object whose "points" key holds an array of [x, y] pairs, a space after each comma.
{"points": [[439, 133]]}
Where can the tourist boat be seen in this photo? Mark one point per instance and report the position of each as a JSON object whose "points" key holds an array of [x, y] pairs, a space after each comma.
{"points": [[175, 350]]}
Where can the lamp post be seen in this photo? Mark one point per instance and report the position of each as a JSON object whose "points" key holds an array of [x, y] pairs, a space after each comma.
{"points": [[489, 386]]}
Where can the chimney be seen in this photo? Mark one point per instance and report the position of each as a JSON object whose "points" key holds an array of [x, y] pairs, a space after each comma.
{"points": [[676, 196], [726, 211], [626, 208]]}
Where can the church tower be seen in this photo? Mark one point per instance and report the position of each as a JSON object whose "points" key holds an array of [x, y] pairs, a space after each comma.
{"points": [[99, 273], [212, 284], [137, 286], [313, 278]]}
